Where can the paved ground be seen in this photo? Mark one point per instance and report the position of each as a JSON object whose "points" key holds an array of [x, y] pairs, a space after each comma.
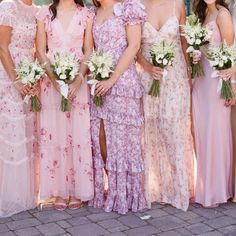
{"points": [[164, 221]]}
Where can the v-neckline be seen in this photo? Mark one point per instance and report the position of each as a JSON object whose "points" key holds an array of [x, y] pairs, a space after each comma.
{"points": [[70, 23], [160, 29]]}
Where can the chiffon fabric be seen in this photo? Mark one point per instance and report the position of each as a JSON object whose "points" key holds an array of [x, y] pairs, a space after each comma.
{"points": [[213, 137], [122, 117], [169, 159], [18, 142], [65, 141]]}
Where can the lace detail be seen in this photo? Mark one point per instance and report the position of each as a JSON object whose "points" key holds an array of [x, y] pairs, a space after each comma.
{"points": [[8, 11]]}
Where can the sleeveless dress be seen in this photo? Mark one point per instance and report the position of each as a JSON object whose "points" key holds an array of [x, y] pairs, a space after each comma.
{"points": [[17, 122], [212, 128], [122, 116], [169, 160], [233, 110], [65, 140]]}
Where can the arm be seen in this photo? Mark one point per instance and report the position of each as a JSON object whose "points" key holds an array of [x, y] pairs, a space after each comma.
{"points": [[88, 49], [41, 43], [134, 40], [7, 62]]}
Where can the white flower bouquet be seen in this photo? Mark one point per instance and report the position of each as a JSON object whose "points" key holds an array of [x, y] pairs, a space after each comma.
{"points": [[196, 36], [100, 65], [65, 68], [162, 55], [29, 73], [220, 58]]}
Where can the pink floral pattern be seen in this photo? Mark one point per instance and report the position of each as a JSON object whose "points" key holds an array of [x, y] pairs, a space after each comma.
{"points": [[18, 144], [122, 117], [169, 160], [65, 140]]}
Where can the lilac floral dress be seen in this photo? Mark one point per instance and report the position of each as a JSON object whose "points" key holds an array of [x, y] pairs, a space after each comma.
{"points": [[122, 116]]}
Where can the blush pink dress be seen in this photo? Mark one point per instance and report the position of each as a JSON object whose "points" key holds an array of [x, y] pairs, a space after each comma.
{"points": [[122, 116], [212, 128], [17, 122], [65, 141], [169, 159]]}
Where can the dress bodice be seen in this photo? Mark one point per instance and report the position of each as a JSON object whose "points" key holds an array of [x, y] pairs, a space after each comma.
{"points": [[21, 18], [69, 40]]}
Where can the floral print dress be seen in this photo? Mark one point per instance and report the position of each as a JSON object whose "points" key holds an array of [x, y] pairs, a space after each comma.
{"points": [[122, 116]]}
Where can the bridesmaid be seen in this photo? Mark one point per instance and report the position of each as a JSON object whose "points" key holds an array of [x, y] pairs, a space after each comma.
{"points": [[65, 142], [211, 114], [116, 126], [17, 30], [169, 159], [232, 74]]}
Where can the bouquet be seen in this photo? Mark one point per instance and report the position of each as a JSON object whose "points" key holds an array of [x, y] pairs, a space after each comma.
{"points": [[196, 36], [162, 55], [29, 73], [101, 66], [65, 68], [220, 58]]}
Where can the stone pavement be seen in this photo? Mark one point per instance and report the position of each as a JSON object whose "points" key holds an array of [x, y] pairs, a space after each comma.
{"points": [[164, 221]]}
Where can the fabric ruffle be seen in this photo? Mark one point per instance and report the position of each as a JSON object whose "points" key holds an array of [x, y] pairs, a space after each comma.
{"points": [[117, 117], [7, 13], [133, 12]]}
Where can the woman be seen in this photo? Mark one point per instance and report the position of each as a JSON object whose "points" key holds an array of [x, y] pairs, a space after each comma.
{"points": [[231, 73], [211, 114], [66, 161], [168, 141], [116, 126], [17, 142]]}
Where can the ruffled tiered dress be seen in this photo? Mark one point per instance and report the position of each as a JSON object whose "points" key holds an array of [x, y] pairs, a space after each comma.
{"points": [[122, 116]]}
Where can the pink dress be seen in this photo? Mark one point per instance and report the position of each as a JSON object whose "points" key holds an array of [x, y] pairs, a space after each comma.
{"points": [[212, 127], [17, 123], [169, 159], [122, 116], [65, 141]]}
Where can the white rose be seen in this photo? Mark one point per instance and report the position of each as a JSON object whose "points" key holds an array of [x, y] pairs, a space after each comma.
{"points": [[165, 62]]}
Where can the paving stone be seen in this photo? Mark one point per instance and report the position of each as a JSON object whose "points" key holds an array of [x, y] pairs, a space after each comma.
{"points": [[215, 233], [220, 222], [231, 212], [3, 228], [95, 210], [166, 223], [81, 220], [117, 234], [208, 212], [229, 230], [186, 215], [196, 220], [63, 224], [103, 216], [228, 205], [184, 232], [113, 225], [172, 210], [87, 230], [9, 233], [157, 206], [81, 211], [156, 213], [22, 216], [199, 228], [51, 216], [142, 231], [5, 220], [170, 233], [21, 224], [132, 221], [50, 229], [31, 231]]}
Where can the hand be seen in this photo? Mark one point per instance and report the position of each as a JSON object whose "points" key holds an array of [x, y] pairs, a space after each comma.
{"points": [[196, 56], [154, 71], [228, 73], [21, 88], [230, 102], [73, 88], [35, 89], [103, 86]]}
